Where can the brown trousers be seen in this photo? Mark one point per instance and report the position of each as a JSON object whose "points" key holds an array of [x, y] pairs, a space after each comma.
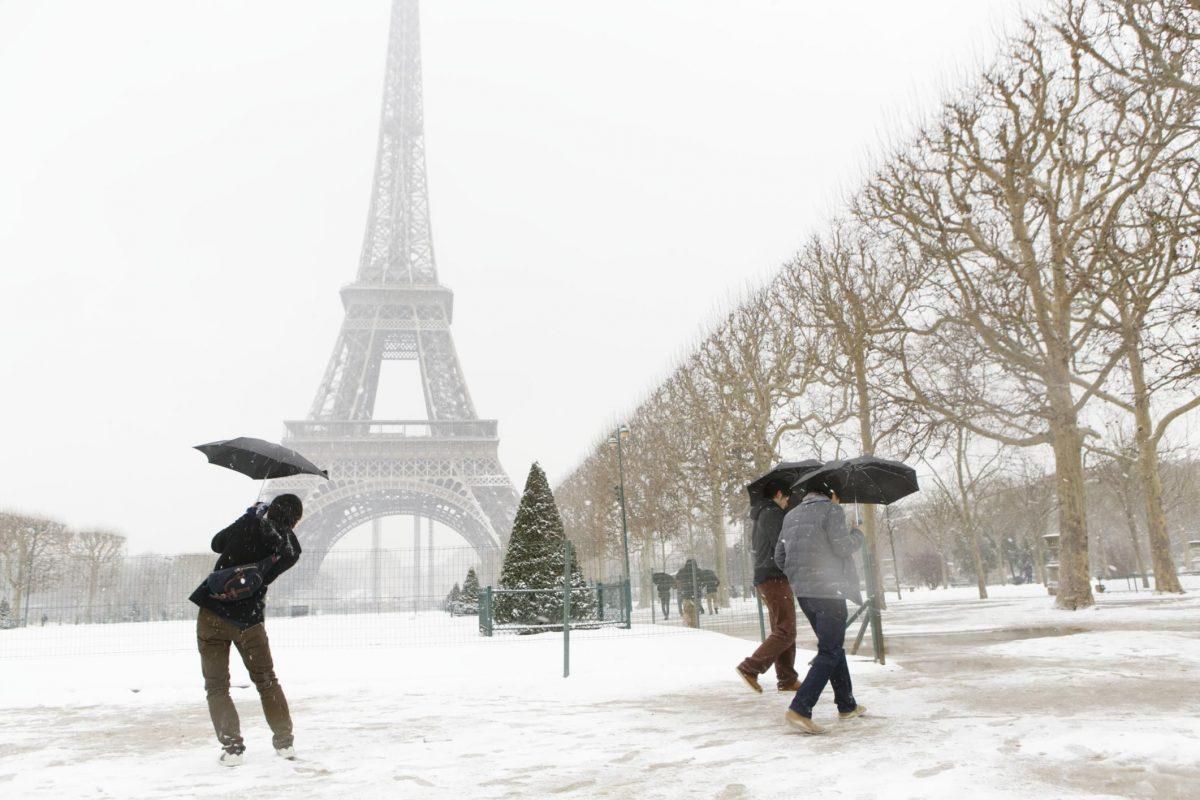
{"points": [[779, 648], [213, 636]]}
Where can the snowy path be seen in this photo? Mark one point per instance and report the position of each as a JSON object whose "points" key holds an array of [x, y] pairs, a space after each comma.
{"points": [[1004, 699]]}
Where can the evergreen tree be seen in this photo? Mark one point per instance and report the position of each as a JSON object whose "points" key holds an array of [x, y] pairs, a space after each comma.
{"points": [[534, 560], [452, 600], [470, 593], [5, 614]]}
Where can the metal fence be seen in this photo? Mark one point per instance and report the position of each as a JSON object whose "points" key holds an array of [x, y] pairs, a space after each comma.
{"points": [[354, 598]]}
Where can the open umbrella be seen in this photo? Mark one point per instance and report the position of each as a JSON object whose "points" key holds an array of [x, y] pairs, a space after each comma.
{"points": [[864, 479], [785, 470], [259, 459]]}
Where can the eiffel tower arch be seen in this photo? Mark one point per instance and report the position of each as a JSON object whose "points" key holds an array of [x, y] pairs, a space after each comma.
{"points": [[444, 467]]}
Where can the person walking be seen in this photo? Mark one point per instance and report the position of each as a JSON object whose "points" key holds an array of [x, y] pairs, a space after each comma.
{"points": [[815, 551], [709, 583], [264, 535], [663, 583], [687, 583], [779, 648]]}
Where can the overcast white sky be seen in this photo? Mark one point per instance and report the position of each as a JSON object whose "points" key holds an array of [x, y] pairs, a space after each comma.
{"points": [[184, 188]]}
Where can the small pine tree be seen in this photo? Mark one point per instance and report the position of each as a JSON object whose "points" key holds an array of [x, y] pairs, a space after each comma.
{"points": [[452, 600], [470, 593], [5, 614], [534, 560]]}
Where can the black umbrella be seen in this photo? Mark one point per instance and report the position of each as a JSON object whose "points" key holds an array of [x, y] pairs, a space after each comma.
{"points": [[259, 459], [865, 479], [785, 470]]}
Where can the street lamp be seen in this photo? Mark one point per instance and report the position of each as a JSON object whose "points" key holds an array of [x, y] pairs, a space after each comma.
{"points": [[615, 439], [892, 540]]}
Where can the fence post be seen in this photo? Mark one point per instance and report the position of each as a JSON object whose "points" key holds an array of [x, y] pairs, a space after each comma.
{"points": [[873, 609], [762, 625], [628, 603], [696, 595], [566, 607], [485, 611], [653, 598], [600, 601]]}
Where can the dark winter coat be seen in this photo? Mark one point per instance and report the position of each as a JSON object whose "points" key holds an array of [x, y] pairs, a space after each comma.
{"points": [[816, 551], [688, 579], [250, 538], [663, 583], [708, 581], [768, 522]]}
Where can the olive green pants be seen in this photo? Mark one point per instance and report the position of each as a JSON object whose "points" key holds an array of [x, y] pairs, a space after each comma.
{"points": [[213, 637]]}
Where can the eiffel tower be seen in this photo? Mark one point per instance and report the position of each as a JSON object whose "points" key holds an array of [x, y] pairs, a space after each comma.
{"points": [[445, 467]]}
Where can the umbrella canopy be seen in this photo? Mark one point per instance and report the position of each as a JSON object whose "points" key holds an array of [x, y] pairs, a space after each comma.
{"points": [[258, 458], [786, 470], [865, 479]]}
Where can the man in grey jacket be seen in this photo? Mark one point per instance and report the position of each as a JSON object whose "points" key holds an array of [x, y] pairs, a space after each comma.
{"points": [[816, 552]]}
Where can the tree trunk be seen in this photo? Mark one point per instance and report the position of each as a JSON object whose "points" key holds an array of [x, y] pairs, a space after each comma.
{"points": [[977, 557], [966, 515], [645, 582], [1039, 557], [722, 566], [92, 580], [1074, 583], [1165, 577], [1131, 524], [19, 595], [867, 439]]}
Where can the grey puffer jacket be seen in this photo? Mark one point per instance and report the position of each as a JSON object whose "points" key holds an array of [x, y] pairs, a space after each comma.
{"points": [[816, 551]]}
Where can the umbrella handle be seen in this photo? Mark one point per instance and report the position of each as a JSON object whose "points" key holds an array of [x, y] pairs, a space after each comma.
{"points": [[262, 487]]}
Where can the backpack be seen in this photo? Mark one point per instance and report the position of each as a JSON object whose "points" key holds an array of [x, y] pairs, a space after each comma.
{"points": [[237, 583]]}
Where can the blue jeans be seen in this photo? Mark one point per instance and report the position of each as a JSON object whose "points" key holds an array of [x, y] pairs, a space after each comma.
{"points": [[828, 620]]}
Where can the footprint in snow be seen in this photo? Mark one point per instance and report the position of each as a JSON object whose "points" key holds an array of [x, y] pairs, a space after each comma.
{"points": [[929, 772]]}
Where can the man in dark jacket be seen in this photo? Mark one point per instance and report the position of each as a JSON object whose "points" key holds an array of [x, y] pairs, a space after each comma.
{"points": [[257, 535], [779, 648], [663, 583], [815, 551], [687, 583], [709, 583]]}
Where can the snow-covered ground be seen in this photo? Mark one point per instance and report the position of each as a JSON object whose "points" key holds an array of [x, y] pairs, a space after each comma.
{"points": [[1000, 698]]}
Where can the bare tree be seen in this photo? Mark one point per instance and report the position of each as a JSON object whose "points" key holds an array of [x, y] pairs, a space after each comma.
{"points": [[100, 554], [32, 548], [1004, 197], [971, 481], [847, 300], [934, 520], [1154, 43]]}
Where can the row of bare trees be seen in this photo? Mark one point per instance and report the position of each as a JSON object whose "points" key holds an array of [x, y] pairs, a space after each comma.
{"points": [[39, 554], [1019, 278]]}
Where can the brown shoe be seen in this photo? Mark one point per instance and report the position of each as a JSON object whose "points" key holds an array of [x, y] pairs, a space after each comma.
{"points": [[857, 711], [802, 723], [751, 680], [794, 686]]}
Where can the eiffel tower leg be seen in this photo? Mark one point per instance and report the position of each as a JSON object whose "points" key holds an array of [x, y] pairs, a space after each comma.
{"points": [[429, 587], [376, 563], [416, 563]]}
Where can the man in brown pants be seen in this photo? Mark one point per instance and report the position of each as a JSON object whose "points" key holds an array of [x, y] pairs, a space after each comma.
{"points": [[255, 536], [779, 648]]}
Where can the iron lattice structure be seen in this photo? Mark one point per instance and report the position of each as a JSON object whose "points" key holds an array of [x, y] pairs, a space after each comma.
{"points": [[445, 467]]}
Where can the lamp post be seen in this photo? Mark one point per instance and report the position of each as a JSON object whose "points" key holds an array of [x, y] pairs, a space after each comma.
{"points": [[892, 540], [622, 431]]}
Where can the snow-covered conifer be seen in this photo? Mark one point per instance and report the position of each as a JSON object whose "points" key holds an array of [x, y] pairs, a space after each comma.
{"points": [[534, 560]]}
